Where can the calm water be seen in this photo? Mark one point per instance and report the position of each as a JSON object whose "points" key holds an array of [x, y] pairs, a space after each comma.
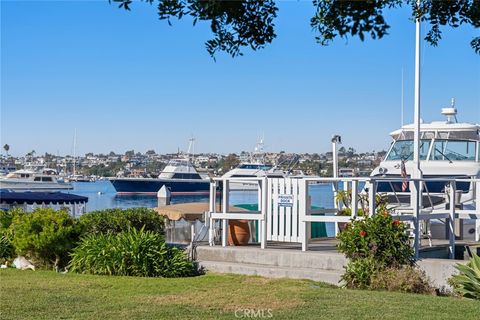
{"points": [[101, 195]]}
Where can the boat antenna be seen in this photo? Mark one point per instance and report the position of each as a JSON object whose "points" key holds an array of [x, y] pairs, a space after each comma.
{"points": [[450, 112], [402, 100]]}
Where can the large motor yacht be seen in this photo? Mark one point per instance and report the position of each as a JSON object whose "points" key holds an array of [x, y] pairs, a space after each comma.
{"points": [[30, 180], [179, 176], [448, 149]]}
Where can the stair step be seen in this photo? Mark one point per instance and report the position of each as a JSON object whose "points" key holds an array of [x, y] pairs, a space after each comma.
{"points": [[284, 258], [327, 276]]}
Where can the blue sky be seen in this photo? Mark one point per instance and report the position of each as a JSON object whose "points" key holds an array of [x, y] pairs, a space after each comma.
{"points": [[126, 80]]}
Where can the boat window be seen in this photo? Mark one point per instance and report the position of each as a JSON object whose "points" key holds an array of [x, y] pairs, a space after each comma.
{"points": [[47, 179], [403, 150], [37, 179], [453, 150], [186, 176]]}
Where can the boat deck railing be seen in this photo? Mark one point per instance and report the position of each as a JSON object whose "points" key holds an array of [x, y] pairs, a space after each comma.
{"points": [[285, 211]]}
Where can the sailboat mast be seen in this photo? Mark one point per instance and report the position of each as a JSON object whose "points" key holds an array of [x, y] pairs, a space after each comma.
{"points": [[74, 152]]}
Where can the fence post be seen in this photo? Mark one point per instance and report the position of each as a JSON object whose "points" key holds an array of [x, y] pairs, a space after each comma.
{"points": [[415, 195], [451, 221], [225, 207], [212, 208], [372, 197], [354, 203], [477, 210], [302, 208], [265, 204]]}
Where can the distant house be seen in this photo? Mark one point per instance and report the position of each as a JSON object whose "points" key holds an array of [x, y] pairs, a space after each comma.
{"points": [[346, 172]]}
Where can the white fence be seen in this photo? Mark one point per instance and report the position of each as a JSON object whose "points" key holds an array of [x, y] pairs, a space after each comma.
{"points": [[285, 213]]}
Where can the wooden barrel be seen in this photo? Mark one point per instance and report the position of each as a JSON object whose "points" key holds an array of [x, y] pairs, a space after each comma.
{"points": [[238, 232]]}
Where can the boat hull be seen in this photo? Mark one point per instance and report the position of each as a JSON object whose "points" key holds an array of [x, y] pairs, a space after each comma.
{"points": [[146, 186]]}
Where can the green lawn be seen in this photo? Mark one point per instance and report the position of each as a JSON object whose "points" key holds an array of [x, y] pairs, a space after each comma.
{"points": [[48, 295]]}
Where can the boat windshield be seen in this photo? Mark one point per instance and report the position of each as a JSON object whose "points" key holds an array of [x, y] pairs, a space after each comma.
{"points": [[403, 150], [453, 150], [443, 149]]}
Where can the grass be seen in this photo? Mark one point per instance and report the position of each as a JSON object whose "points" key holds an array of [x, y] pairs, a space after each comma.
{"points": [[50, 295]]}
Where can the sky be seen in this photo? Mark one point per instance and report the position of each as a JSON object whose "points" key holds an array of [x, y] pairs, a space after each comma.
{"points": [[126, 80]]}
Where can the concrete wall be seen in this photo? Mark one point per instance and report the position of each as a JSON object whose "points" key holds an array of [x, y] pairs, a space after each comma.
{"points": [[439, 271]]}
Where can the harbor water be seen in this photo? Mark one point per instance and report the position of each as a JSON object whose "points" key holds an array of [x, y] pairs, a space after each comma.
{"points": [[101, 195]]}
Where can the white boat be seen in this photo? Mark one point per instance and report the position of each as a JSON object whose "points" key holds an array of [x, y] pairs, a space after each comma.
{"points": [[448, 149], [6, 169], [29, 180], [252, 169]]}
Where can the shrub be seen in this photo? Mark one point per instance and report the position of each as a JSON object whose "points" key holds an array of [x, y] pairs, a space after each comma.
{"points": [[380, 237], [373, 245], [119, 220], [403, 279], [130, 253], [6, 248], [45, 235], [6, 233], [467, 283], [358, 272]]}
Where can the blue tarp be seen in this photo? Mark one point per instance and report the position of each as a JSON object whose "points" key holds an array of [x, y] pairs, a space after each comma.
{"points": [[40, 197]]}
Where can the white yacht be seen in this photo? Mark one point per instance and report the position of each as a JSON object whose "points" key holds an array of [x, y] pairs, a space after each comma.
{"points": [[447, 149], [29, 180], [253, 169]]}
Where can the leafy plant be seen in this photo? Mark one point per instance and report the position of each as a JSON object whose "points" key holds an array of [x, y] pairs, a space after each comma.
{"points": [[119, 220], [358, 272], [467, 283], [45, 235], [373, 245], [380, 237], [344, 197], [130, 253], [6, 248]]}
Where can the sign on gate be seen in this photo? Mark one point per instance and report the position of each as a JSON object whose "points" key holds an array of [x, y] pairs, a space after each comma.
{"points": [[285, 200]]}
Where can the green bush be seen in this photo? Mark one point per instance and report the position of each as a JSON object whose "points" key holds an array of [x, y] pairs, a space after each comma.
{"points": [[119, 220], [45, 235], [6, 234], [380, 237], [467, 283], [359, 272], [6, 248], [403, 279], [130, 253], [373, 245]]}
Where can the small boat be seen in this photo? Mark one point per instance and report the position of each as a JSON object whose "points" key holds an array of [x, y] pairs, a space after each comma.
{"points": [[179, 176], [29, 180]]}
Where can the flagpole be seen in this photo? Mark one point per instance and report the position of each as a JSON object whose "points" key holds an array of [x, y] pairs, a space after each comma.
{"points": [[416, 135], [416, 185]]}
